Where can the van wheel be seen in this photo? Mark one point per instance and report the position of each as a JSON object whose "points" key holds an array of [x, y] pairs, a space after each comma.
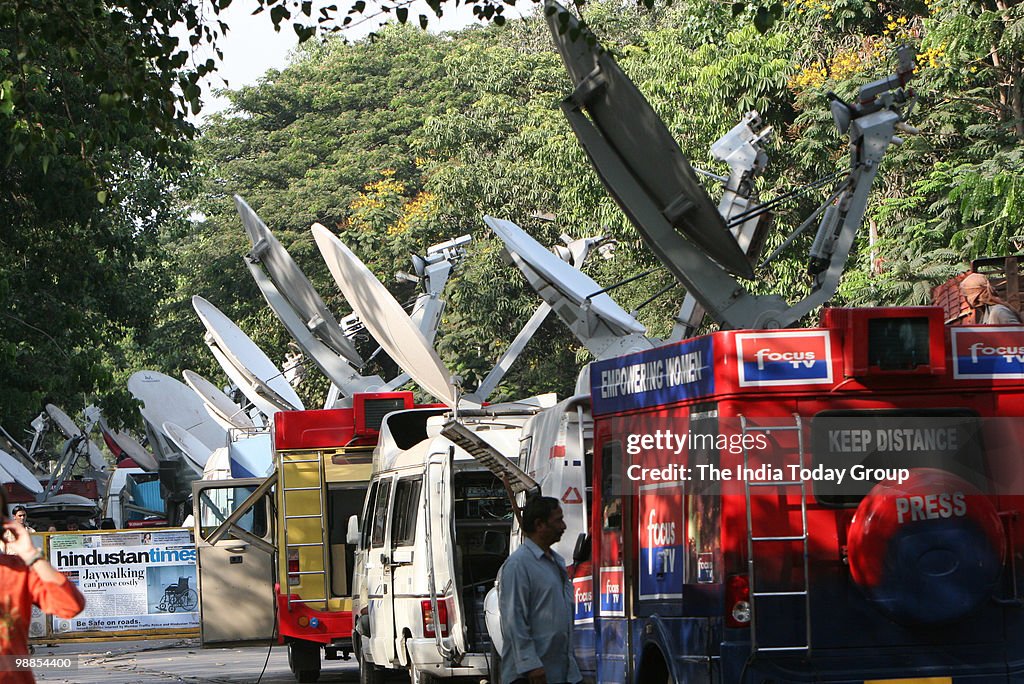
{"points": [[304, 660], [368, 673], [419, 676]]}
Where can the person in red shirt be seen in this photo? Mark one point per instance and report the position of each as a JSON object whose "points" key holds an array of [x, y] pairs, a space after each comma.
{"points": [[27, 578]]}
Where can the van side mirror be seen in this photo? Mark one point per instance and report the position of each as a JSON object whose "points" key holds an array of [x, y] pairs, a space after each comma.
{"points": [[352, 535], [581, 552]]}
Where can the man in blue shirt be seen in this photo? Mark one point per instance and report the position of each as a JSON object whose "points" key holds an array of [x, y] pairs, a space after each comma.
{"points": [[536, 602]]}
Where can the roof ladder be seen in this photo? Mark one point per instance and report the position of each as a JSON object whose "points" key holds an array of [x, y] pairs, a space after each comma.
{"points": [[801, 593], [297, 472]]}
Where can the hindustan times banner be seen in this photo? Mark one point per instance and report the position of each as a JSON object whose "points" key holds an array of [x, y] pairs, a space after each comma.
{"points": [[130, 580]]}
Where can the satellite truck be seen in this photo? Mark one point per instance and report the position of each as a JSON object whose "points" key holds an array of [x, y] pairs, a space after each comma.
{"points": [[836, 503]]}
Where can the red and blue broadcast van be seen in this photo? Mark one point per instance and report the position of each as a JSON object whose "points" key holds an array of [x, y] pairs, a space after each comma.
{"points": [[833, 504]]}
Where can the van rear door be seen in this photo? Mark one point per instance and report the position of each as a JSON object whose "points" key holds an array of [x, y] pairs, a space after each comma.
{"points": [[440, 500]]}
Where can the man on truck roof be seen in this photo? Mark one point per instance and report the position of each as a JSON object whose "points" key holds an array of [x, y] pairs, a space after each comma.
{"points": [[536, 600], [989, 309]]}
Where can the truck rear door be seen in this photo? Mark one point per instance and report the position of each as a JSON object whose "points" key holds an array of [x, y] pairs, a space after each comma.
{"points": [[235, 555]]}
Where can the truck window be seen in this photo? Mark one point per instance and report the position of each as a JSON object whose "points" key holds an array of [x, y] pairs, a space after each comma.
{"points": [[215, 505], [407, 500], [380, 514], [611, 485], [703, 507]]}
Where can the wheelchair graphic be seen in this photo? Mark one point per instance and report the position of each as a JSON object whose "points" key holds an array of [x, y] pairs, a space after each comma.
{"points": [[179, 596]]}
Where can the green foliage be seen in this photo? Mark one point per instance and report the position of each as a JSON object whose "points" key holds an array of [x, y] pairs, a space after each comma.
{"points": [[407, 139]]}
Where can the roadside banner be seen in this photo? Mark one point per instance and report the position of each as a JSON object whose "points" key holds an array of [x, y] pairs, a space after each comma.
{"points": [[132, 580]]}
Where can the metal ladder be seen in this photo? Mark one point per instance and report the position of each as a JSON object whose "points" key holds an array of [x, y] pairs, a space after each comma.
{"points": [[290, 466], [803, 592]]}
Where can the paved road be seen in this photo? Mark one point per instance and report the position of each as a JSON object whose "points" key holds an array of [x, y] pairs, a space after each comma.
{"points": [[178, 661]]}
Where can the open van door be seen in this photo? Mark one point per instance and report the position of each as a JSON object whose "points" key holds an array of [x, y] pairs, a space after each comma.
{"points": [[233, 531], [441, 539]]}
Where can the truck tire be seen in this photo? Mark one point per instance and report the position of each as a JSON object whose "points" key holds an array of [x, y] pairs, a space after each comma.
{"points": [[304, 660], [368, 672]]}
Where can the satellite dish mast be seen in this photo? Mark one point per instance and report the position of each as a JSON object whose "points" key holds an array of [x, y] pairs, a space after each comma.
{"points": [[221, 408], [645, 171], [294, 286], [433, 271], [385, 318], [26, 456], [574, 253], [593, 317], [302, 311], [83, 445], [245, 363]]}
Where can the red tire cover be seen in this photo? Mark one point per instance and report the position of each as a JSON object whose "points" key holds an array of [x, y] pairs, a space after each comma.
{"points": [[928, 550]]}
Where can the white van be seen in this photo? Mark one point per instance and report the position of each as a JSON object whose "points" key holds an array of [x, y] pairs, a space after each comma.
{"points": [[434, 532]]}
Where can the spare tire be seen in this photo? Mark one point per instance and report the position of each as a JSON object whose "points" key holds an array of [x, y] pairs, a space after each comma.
{"points": [[928, 550]]}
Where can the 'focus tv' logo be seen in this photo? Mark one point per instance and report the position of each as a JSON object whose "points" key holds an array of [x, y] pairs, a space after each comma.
{"points": [[784, 358], [988, 353]]}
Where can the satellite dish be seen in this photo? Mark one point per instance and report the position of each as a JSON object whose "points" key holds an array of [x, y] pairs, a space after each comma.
{"points": [[245, 363], [637, 158], [195, 452], [293, 285], [168, 400], [134, 450], [11, 470], [63, 421], [572, 283], [385, 318], [70, 429], [327, 360], [227, 413]]}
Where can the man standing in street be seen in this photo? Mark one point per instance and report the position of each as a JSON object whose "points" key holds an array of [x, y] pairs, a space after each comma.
{"points": [[536, 601], [20, 514]]}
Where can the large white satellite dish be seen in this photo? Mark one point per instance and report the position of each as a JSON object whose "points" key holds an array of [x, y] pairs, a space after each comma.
{"points": [[168, 400], [385, 318], [135, 451], [337, 370], [293, 285], [63, 421], [11, 470], [572, 283], [227, 413], [255, 374], [195, 451]]}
